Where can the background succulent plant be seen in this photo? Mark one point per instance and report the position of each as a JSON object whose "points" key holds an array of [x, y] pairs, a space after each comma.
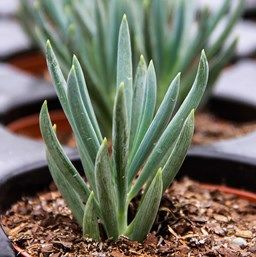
{"points": [[147, 149], [172, 33]]}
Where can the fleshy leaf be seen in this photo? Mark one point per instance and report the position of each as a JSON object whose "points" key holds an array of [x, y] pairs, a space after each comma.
{"points": [[120, 150], [145, 217], [90, 220], [159, 123], [106, 191], [85, 97], [179, 151], [60, 158], [70, 196], [124, 64], [138, 98], [80, 115], [168, 137], [148, 105]]}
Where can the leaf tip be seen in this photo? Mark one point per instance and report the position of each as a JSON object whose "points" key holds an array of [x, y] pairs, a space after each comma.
{"points": [[74, 60], [178, 76], [192, 114], [105, 141], [159, 172], [54, 127], [73, 69], [124, 18], [121, 86], [142, 62], [44, 107], [204, 62], [151, 66], [48, 45], [203, 55]]}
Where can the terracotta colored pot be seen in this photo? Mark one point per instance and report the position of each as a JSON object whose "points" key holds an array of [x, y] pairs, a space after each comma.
{"points": [[32, 62], [29, 127]]}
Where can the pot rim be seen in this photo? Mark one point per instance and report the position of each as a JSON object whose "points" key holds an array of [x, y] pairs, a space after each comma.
{"points": [[243, 194]]}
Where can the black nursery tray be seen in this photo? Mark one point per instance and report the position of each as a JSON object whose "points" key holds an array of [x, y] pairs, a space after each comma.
{"points": [[13, 39], [234, 96], [8, 8], [22, 94]]}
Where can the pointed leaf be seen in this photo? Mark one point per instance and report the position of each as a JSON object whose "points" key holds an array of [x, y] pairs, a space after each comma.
{"points": [[57, 77], [100, 40], [149, 103], [90, 220], [156, 25], [219, 62], [80, 115], [47, 29], [159, 123], [172, 131], [179, 151], [214, 48], [61, 88], [124, 64], [138, 98], [55, 9], [85, 97], [177, 32], [60, 158], [218, 16], [68, 193], [106, 191], [146, 215], [120, 147]]}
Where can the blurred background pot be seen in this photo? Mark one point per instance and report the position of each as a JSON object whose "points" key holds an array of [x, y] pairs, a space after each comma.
{"points": [[31, 61], [29, 127]]}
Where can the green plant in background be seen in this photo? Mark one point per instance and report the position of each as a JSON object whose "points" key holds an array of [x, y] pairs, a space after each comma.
{"points": [[172, 33], [147, 147]]}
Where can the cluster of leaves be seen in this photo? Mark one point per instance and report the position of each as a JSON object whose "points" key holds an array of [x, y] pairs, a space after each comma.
{"points": [[147, 150], [172, 33]]}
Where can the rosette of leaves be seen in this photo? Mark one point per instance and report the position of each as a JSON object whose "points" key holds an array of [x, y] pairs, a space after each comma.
{"points": [[172, 33], [147, 147]]}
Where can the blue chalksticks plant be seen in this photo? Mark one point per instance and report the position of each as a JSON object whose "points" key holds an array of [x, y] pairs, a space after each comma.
{"points": [[148, 146], [170, 32]]}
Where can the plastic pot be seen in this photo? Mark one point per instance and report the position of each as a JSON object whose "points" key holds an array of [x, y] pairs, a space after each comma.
{"points": [[28, 177]]}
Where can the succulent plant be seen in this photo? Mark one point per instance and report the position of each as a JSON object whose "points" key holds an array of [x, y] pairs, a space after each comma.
{"points": [[172, 33], [147, 149]]}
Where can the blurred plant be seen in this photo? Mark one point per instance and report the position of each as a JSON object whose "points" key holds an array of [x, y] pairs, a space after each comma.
{"points": [[147, 149], [172, 33]]}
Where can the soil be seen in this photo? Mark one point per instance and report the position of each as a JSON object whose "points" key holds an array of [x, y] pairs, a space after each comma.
{"points": [[192, 221], [210, 128]]}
